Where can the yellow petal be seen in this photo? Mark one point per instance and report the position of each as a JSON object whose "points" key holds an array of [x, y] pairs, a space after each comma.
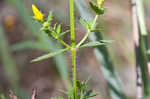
{"points": [[37, 13]]}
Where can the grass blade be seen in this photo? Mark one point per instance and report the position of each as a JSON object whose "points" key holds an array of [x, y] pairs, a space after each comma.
{"points": [[8, 63]]}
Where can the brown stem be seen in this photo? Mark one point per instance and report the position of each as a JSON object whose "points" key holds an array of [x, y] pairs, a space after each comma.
{"points": [[136, 48], [141, 58]]}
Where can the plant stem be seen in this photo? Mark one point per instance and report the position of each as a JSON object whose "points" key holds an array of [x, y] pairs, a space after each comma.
{"points": [[88, 32], [74, 72], [73, 45], [59, 40], [64, 43]]}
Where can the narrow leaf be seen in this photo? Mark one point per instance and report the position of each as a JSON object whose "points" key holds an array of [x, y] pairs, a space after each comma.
{"points": [[106, 41], [49, 55], [84, 23], [58, 29], [50, 17], [88, 93], [55, 25], [63, 33], [90, 44], [89, 97]]}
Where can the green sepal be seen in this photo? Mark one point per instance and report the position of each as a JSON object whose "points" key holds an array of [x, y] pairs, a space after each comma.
{"points": [[97, 10], [50, 17], [58, 30]]}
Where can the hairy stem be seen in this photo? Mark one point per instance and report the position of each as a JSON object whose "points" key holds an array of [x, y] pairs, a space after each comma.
{"points": [[73, 45]]}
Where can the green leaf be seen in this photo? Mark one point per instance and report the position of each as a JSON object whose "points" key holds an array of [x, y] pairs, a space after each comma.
{"points": [[79, 85], [58, 29], [89, 97], [50, 17], [88, 93], [95, 30], [71, 94], [90, 44], [84, 23], [106, 41], [49, 55], [97, 9], [63, 33], [55, 25]]}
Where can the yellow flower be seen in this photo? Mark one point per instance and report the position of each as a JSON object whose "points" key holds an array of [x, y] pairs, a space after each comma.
{"points": [[38, 15]]}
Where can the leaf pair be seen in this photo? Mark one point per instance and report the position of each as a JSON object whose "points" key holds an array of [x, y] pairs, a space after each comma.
{"points": [[89, 44]]}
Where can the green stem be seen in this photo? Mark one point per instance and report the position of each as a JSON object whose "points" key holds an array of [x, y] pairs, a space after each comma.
{"points": [[88, 32], [64, 43], [74, 72], [73, 45], [60, 40]]}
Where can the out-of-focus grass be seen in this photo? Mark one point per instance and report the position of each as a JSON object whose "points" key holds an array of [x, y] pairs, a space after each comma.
{"points": [[103, 56], [2, 96], [7, 60], [43, 43], [9, 65]]}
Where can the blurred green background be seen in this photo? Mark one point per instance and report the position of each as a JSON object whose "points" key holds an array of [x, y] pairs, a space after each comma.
{"points": [[21, 41]]}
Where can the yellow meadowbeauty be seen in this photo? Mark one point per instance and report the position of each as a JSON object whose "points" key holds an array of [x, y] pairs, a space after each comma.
{"points": [[38, 15]]}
